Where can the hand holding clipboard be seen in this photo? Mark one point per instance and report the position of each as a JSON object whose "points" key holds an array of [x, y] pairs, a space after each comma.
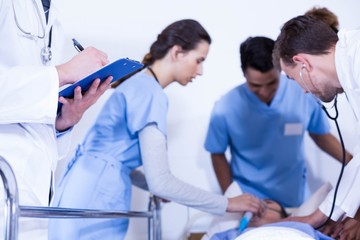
{"points": [[119, 70]]}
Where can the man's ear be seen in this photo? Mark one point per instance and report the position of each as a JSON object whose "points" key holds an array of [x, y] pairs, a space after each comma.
{"points": [[302, 60]]}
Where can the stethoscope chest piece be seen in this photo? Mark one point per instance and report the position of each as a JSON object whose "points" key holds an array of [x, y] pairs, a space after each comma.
{"points": [[45, 52], [46, 55]]}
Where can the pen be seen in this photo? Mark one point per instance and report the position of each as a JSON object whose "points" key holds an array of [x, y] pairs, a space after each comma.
{"points": [[245, 221], [77, 45]]}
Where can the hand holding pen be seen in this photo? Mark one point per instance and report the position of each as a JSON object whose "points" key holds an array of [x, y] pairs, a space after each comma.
{"points": [[81, 65], [87, 61]]}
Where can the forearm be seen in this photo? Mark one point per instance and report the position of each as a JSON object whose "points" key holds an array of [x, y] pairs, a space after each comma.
{"points": [[329, 144], [222, 170], [162, 183]]}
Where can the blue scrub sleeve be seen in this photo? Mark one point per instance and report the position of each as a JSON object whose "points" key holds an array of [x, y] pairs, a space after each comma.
{"points": [[146, 105], [217, 138], [319, 124]]}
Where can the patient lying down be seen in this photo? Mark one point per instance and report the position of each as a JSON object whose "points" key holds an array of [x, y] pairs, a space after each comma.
{"points": [[271, 226]]}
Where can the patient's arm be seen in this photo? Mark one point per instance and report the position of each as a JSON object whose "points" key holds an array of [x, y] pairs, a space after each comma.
{"points": [[222, 170], [315, 219]]}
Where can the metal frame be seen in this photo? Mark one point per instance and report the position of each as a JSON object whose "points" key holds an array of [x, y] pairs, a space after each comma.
{"points": [[12, 209]]}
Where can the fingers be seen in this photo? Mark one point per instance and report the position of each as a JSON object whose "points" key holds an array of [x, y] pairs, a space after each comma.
{"points": [[77, 94], [63, 100], [96, 89], [93, 93], [256, 205], [327, 229], [348, 229], [73, 109], [351, 230], [104, 59], [105, 85], [82, 64], [246, 202], [337, 230], [100, 55]]}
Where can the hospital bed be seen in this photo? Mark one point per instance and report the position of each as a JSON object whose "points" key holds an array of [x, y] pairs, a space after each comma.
{"points": [[13, 211]]}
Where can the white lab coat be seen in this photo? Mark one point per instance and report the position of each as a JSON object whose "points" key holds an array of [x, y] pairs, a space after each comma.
{"points": [[28, 104], [28, 98], [347, 61]]}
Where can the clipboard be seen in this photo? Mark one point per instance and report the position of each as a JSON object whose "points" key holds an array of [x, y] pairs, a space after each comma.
{"points": [[120, 69]]}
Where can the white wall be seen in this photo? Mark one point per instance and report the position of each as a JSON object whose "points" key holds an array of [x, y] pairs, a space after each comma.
{"points": [[127, 28]]}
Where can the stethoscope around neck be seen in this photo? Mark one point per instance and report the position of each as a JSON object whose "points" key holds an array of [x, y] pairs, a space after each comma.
{"points": [[45, 52], [334, 118], [336, 115]]}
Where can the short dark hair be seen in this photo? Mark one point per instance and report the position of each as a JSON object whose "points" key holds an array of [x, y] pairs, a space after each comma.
{"points": [[256, 52], [282, 212], [303, 34]]}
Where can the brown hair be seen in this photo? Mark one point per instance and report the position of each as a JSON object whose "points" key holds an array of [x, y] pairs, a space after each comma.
{"points": [[325, 15], [186, 33]]}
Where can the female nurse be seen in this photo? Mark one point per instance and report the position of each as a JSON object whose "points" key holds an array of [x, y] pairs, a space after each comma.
{"points": [[130, 131]]}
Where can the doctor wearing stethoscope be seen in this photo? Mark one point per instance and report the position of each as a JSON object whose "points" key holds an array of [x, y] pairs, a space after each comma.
{"points": [[325, 70], [31, 132]]}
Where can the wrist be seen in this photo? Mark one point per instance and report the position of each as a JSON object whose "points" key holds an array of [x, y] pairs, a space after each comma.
{"points": [[61, 124], [61, 75], [230, 205]]}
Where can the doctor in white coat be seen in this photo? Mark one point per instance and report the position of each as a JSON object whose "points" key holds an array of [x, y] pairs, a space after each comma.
{"points": [[325, 63], [31, 132]]}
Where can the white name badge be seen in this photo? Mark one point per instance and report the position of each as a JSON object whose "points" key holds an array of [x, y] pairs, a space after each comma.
{"points": [[292, 129]]}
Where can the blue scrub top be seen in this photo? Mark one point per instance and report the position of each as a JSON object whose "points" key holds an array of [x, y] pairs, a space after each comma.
{"points": [[137, 102], [98, 176], [266, 142]]}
